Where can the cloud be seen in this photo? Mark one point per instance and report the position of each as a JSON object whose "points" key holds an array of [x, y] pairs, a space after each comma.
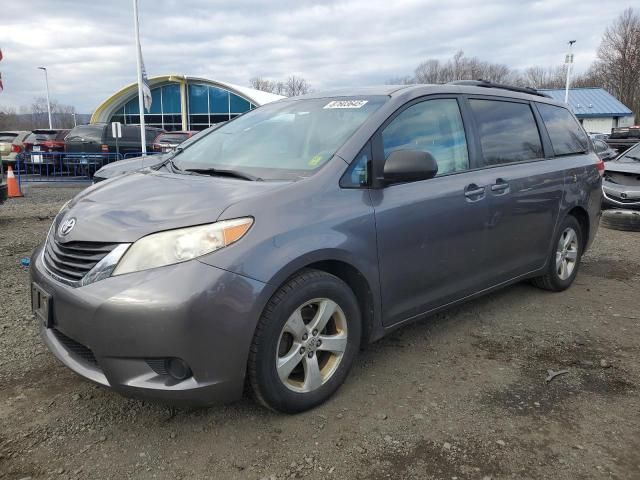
{"points": [[88, 47]]}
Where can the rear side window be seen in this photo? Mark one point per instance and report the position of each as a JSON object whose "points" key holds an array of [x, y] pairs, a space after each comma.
{"points": [[508, 131], [433, 126], [566, 134]]}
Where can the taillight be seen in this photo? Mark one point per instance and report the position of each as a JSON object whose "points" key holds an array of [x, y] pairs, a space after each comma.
{"points": [[16, 148], [105, 148], [600, 167]]}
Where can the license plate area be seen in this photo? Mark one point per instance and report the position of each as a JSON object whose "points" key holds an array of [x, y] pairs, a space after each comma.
{"points": [[41, 304]]}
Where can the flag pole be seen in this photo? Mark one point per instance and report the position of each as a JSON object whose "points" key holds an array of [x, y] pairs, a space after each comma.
{"points": [[143, 136]]}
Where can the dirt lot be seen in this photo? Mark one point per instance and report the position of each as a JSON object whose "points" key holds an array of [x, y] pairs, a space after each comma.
{"points": [[459, 395]]}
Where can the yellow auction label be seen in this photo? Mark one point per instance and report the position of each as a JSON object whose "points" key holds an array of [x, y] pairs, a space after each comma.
{"points": [[315, 160]]}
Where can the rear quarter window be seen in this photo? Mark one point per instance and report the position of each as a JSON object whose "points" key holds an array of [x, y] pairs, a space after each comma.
{"points": [[566, 134]]}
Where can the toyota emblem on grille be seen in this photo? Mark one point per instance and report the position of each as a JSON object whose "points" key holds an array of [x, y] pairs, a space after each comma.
{"points": [[67, 226]]}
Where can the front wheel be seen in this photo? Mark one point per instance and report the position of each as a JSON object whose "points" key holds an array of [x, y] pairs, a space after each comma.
{"points": [[305, 342], [565, 258]]}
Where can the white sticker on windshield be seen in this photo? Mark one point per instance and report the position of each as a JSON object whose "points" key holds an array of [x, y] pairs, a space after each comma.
{"points": [[345, 104]]}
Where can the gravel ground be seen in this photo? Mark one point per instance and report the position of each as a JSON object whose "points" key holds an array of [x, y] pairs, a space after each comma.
{"points": [[459, 395]]}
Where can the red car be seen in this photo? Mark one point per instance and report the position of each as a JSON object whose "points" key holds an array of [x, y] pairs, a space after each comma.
{"points": [[47, 142], [167, 142]]}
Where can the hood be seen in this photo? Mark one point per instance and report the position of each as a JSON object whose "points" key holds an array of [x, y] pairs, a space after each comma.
{"points": [[127, 208], [129, 165], [623, 164]]}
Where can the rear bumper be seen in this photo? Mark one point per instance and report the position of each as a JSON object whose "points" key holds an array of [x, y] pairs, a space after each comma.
{"points": [[109, 330]]}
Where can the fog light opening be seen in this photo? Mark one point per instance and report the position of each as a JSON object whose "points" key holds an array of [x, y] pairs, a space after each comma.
{"points": [[178, 368]]}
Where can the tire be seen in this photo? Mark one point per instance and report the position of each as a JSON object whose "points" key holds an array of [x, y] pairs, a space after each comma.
{"points": [[556, 279], [285, 338], [626, 220]]}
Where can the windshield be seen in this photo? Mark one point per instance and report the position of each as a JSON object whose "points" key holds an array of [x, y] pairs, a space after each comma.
{"points": [[7, 137], [87, 132], [172, 137], [280, 141], [633, 153]]}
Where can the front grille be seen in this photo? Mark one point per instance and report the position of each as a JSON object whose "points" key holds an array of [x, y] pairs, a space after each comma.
{"points": [[75, 347], [73, 260]]}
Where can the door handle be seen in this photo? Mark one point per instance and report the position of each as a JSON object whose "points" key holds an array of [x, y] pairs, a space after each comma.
{"points": [[474, 192], [501, 186]]}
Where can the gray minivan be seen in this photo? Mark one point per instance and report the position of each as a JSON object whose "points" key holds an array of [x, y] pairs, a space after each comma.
{"points": [[267, 252]]}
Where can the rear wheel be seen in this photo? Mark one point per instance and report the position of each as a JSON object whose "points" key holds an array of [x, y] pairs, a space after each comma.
{"points": [[305, 342], [565, 259]]}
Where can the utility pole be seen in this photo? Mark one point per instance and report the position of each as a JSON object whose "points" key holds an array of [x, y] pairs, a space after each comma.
{"points": [[46, 82], [569, 62]]}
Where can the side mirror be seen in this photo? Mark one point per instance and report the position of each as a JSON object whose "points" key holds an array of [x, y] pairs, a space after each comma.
{"points": [[409, 166]]}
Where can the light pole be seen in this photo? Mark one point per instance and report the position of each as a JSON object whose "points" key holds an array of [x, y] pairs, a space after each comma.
{"points": [[569, 61], [46, 81]]}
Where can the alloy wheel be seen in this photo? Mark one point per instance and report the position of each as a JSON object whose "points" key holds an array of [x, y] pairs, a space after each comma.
{"points": [[567, 253], [311, 345]]}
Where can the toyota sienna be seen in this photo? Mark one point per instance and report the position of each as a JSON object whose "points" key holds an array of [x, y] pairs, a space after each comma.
{"points": [[269, 250]]}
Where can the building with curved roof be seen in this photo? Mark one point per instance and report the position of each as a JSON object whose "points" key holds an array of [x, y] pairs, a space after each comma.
{"points": [[181, 102]]}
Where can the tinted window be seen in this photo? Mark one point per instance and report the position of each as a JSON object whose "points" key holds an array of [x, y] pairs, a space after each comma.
{"points": [[567, 136], [88, 132], [508, 131], [434, 126]]}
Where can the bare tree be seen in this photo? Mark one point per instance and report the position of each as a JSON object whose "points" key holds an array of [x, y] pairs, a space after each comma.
{"points": [[295, 86], [618, 64], [291, 87]]}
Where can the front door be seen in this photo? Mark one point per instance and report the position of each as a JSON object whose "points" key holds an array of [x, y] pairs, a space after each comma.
{"points": [[431, 234]]}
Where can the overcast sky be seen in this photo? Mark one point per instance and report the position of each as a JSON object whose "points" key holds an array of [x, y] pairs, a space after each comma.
{"points": [[88, 46]]}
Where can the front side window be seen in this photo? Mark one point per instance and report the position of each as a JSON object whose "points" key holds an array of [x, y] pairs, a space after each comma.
{"points": [[567, 136], [283, 140], [508, 131], [433, 126]]}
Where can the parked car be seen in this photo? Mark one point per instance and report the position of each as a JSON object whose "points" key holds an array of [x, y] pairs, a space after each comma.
{"points": [[267, 251], [91, 146], [11, 145], [4, 189], [129, 165], [604, 151], [622, 138], [44, 147], [621, 185], [168, 141], [598, 136]]}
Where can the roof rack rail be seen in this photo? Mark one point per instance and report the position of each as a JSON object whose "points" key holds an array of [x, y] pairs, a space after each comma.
{"points": [[487, 84]]}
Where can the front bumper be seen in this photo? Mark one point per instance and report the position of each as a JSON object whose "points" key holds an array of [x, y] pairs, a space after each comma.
{"points": [[111, 331], [620, 196]]}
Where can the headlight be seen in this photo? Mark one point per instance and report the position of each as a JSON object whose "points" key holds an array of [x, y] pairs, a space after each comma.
{"points": [[175, 246]]}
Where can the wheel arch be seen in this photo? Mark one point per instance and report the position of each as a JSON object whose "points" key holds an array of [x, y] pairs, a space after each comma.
{"points": [[363, 285], [581, 215]]}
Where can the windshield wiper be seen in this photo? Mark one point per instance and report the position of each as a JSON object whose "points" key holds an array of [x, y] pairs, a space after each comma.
{"points": [[223, 173], [633, 157]]}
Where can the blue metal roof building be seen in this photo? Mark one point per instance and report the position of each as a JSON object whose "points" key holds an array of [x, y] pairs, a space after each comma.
{"points": [[597, 109]]}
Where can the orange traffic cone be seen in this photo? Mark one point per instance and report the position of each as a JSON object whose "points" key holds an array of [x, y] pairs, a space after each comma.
{"points": [[12, 183]]}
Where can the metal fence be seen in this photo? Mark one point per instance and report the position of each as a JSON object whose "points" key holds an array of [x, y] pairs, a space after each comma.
{"points": [[63, 166]]}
